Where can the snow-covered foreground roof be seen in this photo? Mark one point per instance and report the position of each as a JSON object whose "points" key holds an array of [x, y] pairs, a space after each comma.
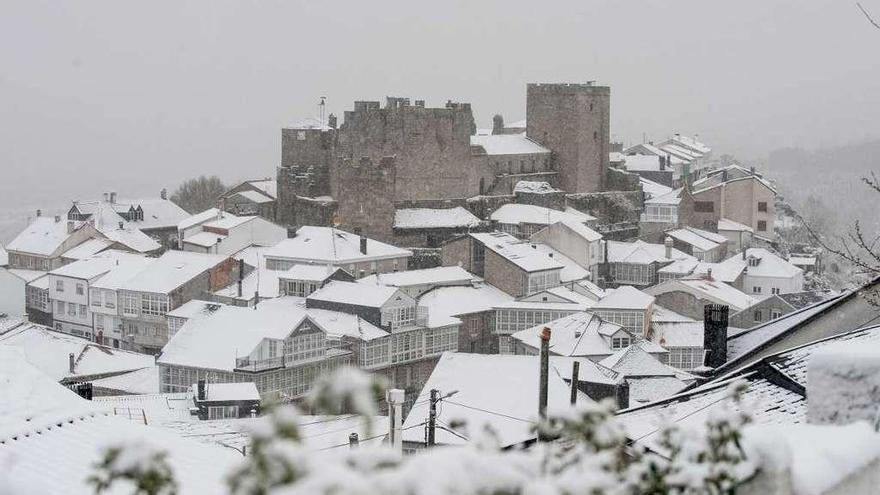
{"points": [[434, 218], [507, 144], [500, 391], [653, 189], [329, 245], [49, 351], [215, 392], [689, 237], [625, 297], [142, 381], [354, 293]]}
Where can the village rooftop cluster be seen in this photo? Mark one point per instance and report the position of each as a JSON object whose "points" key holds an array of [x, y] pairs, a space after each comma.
{"points": [[407, 242]]}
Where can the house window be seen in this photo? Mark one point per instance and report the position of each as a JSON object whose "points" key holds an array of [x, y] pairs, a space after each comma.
{"points": [[304, 346], [58, 326], [99, 322], [774, 290], [80, 290], [775, 313], [59, 285], [71, 309], [154, 304], [59, 305], [406, 346], [440, 340], [758, 316], [109, 300], [704, 206], [756, 289], [762, 206], [754, 261], [539, 281], [130, 303], [685, 358], [762, 226], [400, 317], [82, 310], [619, 342], [96, 297], [222, 412]]}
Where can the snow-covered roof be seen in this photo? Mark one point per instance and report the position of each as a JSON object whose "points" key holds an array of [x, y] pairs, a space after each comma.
{"points": [[625, 297], [727, 273], [308, 123], [193, 220], [261, 280], [640, 252], [255, 196], [578, 335], [802, 260], [582, 230], [643, 163], [330, 245], [228, 221], [713, 290], [171, 270], [670, 198], [692, 143], [215, 341], [441, 275], [742, 344], [195, 308], [49, 351], [517, 252], [680, 152], [495, 390], [514, 213], [529, 186], [571, 270], [42, 237], [689, 237], [126, 268], [729, 225], [99, 264], [680, 267], [648, 378], [87, 249], [4, 257], [158, 212], [132, 238], [27, 275], [616, 157], [204, 239], [549, 306], [563, 293], [219, 392], [462, 300], [644, 149], [269, 186], [314, 273], [508, 144], [678, 333], [434, 218], [769, 264], [354, 293], [142, 381], [653, 189]]}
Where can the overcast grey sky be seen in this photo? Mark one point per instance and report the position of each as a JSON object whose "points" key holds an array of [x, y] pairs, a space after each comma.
{"points": [[135, 96]]}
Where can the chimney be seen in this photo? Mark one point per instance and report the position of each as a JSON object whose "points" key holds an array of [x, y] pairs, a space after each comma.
{"points": [[622, 395], [202, 390], [724, 175], [331, 121], [668, 244], [715, 334], [709, 274], [39, 212], [744, 253], [662, 163], [106, 197], [843, 383], [121, 225], [113, 197], [71, 363], [70, 226], [497, 124], [57, 218], [363, 241], [163, 193], [752, 169], [240, 274]]}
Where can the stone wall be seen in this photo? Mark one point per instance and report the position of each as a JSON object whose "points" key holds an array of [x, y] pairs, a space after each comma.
{"points": [[425, 258], [609, 207], [621, 180], [573, 120]]}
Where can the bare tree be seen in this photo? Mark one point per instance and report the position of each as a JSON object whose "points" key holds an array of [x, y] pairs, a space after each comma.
{"points": [[199, 194], [868, 16]]}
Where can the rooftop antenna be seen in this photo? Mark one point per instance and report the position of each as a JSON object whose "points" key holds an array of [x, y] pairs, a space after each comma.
{"points": [[321, 109]]}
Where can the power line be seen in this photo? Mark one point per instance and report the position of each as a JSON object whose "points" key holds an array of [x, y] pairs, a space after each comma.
{"points": [[489, 412]]}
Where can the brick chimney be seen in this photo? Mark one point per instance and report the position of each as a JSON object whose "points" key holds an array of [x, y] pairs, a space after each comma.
{"points": [[715, 334], [668, 244], [202, 390], [71, 363], [113, 197], [163, 193], [39, 212]]}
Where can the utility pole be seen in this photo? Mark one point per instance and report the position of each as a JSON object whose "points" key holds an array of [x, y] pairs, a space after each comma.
{"points": [[432, 415], [545, 367], [575, 368], [353, 441], [395, 399]]}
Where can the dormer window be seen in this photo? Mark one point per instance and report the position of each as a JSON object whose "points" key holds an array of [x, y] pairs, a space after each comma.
{"points": [[754, 261], [619, 342]]}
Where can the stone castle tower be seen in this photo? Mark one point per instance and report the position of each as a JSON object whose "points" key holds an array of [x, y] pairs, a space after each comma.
{"points": [[573, 120]]}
